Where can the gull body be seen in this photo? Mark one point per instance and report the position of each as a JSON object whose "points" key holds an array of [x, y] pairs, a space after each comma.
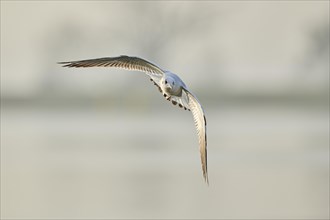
{"points": [[169, 84]]}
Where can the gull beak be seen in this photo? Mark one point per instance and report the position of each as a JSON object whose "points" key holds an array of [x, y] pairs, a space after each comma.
{"points": [[169, 86]]}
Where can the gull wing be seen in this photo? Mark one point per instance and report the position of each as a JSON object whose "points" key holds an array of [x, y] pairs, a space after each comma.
{"points": [[122, 62], [200, 123]]}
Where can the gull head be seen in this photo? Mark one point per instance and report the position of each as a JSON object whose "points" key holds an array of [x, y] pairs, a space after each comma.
{"points": [[169, 83]]}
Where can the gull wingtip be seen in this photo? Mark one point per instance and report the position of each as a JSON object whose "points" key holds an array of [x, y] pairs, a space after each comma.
{"points": [[65, 63], [206, 178]]}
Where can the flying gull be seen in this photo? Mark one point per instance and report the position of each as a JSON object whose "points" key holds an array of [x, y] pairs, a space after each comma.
{"points": [[168, 83]]}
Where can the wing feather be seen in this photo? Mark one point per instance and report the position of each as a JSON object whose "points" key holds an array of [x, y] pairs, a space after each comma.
{"points": [[200, 123], [122, 62], [180, 101]]}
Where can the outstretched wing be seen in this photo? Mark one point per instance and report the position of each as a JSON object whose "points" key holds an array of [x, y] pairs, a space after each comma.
{"points": [[200, 123], [123, 62]]}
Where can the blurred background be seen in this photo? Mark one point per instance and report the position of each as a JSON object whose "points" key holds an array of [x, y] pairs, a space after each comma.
{"points": [[103, 143]]}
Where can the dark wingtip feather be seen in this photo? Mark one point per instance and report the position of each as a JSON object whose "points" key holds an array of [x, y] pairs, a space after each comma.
{"points": [[65, 64]]}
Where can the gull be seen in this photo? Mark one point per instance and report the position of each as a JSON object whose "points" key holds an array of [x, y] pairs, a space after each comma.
{"points": [[168, 83]]}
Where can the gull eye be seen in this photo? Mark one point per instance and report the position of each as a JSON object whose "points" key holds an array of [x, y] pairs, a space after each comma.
{"points": [[165, 81]]}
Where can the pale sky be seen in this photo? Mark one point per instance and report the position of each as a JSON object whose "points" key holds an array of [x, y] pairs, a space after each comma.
{"points": [[243, 46]]}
